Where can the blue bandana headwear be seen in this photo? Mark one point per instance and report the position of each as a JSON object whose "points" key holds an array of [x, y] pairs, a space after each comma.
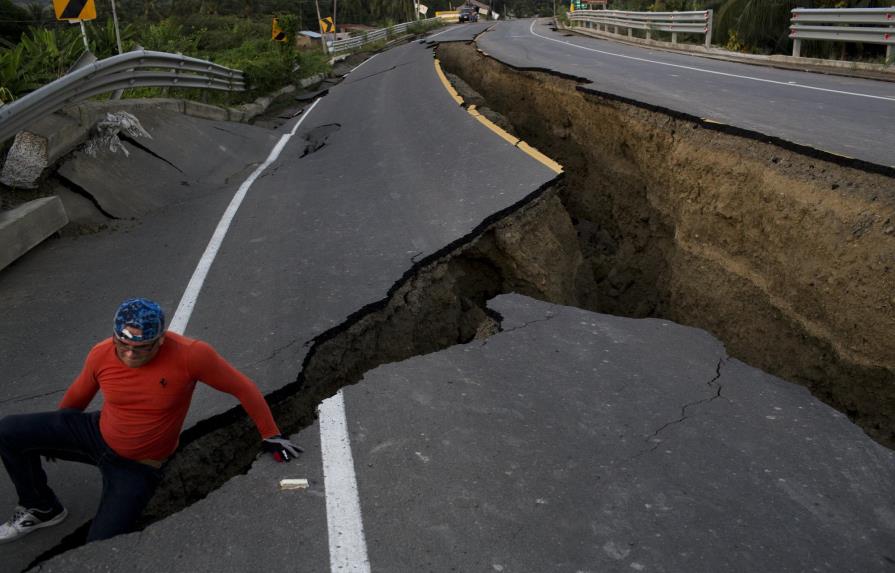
{"points": [[139, 313]]}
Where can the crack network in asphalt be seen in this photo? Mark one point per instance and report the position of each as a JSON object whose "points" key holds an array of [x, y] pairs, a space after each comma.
{"points": [[713, 383]]}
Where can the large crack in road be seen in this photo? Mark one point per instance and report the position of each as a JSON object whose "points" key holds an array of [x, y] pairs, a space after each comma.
{"points": [[439, 302], [785, 257], [784, 253]]}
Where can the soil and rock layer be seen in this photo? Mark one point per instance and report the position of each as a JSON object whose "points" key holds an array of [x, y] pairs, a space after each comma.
{"points": [[785, 254]]}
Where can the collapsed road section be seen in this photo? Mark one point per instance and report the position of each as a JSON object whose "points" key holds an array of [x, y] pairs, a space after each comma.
{"points": [[631, 247], [787, 255], [321, 242]]}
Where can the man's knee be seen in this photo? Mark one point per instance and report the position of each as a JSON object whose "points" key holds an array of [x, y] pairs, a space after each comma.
{"points": [[16, 426]]}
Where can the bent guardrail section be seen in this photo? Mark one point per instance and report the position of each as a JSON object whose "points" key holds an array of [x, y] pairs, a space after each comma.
{"points": [[372, 36], [695, 22], [868, 25], [141, 68]]}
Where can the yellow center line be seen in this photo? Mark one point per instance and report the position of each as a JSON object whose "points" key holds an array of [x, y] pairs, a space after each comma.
{"points": [[514, 141]]}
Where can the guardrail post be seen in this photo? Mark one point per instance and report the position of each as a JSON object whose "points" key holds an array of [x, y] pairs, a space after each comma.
{"points": [[674, 37], [796, 47], [710, 16], [889, 55]]}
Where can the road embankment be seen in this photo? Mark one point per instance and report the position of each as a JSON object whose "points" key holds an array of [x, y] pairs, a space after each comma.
{"points": [[785, 253]]}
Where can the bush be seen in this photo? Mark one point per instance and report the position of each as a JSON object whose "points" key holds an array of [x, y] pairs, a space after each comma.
{"points": [[221, 33], [103, 42], [43, 55], [12, 21], [268, 66], [169, 36], [15, 75], [312, 62], [424, 27]]}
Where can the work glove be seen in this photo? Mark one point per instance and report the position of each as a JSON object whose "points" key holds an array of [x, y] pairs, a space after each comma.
{"points": [[281, 448]]}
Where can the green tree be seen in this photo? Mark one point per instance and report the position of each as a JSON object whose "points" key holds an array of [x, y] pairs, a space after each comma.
{"points": [[39, 14], [13, 21]]}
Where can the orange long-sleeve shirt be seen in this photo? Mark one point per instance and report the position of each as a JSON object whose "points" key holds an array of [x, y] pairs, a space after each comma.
{"points": [[145, 407]]}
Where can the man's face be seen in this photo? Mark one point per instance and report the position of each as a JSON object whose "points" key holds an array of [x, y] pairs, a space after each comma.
{"points": [[136, 354]]}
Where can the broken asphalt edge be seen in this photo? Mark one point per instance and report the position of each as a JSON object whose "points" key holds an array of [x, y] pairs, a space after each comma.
{"points": [[705, 122], [233, 431], [64, 131]]}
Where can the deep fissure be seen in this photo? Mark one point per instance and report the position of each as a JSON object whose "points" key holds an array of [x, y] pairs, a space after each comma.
{"points": [[605, 246], [439, 302], [784, 252]]}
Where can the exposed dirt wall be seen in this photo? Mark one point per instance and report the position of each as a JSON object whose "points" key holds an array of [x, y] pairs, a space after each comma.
{"points": [[786, 256]]}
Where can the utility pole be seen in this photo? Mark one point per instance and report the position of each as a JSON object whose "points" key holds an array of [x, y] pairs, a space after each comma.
{"points": [[320, 25], [335, 28]]}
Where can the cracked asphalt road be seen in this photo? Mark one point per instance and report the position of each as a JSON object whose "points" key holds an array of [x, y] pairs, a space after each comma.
{"points": [[320, 238], [524, 452], [840, 115]]}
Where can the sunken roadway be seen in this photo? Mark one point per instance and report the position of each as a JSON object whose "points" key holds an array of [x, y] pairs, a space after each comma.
{"points": [[569, 441]]}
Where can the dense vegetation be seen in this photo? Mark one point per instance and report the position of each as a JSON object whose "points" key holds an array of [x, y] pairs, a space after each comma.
{"points": [[35, 48], [45, 53]]}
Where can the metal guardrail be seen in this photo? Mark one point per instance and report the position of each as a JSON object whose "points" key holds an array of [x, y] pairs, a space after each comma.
{"points": [[698, 22], [368, 37], [138, 69], [868, 25]]}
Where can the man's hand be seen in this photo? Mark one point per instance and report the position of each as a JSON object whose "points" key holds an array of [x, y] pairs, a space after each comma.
{"points": [[281, 448]]}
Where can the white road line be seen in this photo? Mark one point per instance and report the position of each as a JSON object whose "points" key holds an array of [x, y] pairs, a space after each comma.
{"points": [[439, 33], [191, 294], [348, 548], [787, 84], [362, 63], [347, 544]]}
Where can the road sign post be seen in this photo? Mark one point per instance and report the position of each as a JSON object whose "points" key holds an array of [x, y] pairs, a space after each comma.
{"points": [[320, 21], [117, 31], [84, 35]]}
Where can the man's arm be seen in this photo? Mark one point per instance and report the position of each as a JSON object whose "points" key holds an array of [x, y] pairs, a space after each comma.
{"points": [[209, 367], [83, 389]]}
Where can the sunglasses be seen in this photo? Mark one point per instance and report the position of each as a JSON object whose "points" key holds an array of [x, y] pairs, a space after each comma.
{"points": [[135, 348]]}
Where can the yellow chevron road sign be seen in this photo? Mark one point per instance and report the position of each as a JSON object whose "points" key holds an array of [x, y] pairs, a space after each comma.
{"points": [[74, 9], [277, 33], [326, 25]]}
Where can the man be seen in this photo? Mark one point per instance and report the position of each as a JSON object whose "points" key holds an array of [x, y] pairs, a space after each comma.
{"points": [[147, 377]]}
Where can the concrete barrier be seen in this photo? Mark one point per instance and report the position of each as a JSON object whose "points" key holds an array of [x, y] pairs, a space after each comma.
{"points": [[32, 151], [24, 227], [52, 137]]}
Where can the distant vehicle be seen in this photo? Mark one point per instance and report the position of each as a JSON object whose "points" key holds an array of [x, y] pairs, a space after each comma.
{"points": [[468, 13]]}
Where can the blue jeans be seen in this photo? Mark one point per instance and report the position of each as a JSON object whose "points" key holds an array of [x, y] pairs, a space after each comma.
{"points": [[74, 435]]}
